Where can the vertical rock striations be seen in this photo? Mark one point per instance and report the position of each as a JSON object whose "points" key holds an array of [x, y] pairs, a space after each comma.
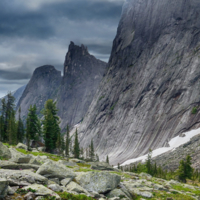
{"points": [[152, 82], [82, 75]]}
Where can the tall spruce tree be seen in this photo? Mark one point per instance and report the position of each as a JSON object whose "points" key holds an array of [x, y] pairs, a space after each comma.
{"points": [[76, 145], [148, 163], [51, 129], [3, 121], [20, 128], [92, 155], [107, 159], [32, 128], [67, 143]]}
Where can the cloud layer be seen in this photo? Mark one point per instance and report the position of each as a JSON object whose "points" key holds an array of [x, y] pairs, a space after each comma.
{"points": [[37, 32]]}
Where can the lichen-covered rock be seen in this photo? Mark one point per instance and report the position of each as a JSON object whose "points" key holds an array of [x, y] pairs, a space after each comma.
{"points": [[18, 157], [77, 160], [22, 177], [3, 187], [65, 181], [4, 151], [42, 190], [74, 187], [100, 182], [67, 163], [101, 166], [52, 170], [22, 146], [55, 188], [12, 165], [116, 193], [29, 196]]}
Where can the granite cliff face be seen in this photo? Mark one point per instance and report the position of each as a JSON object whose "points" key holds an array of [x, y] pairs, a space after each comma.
{"points": [[73, 92], [82, 76], [42, 86], [152, 82]]}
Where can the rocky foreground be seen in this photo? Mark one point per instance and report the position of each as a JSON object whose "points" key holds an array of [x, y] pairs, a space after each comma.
{"points": [[48, 177]]}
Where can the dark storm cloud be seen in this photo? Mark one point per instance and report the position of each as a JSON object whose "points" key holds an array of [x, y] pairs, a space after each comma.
{"points": [[16, 74], [40, 23], [37, 32]]}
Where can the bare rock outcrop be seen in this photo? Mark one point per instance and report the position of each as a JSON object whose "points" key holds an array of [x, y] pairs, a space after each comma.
{"points": [[152, 82]]}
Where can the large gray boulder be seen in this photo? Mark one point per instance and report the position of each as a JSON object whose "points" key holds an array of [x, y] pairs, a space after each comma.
{"points": [[3, 187], [74, 187], [4, 151], [100, 182], [4, 164], [53, 170], [101, 166], [18, 157], [116, 193], [22, 177], [22, 146], [42, 191], [67, 163]]}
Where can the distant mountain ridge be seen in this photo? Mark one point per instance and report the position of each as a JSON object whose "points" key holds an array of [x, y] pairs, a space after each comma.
{"points": [[73, 92]]}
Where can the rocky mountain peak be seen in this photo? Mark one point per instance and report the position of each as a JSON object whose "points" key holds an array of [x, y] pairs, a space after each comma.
{"points": [[75, 53]]}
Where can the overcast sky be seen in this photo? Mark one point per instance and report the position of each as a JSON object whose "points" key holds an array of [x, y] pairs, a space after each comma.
{"points": [[37, 32]]}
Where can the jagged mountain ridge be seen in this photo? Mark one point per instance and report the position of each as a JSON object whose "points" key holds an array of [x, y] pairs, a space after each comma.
{"points": [[152, 82], [73, 92]]}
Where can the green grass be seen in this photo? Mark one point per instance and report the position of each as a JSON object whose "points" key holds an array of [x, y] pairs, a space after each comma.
{"points": [[50, 156], [83, 165], [185, 189], [7, 145], [68, 196]]}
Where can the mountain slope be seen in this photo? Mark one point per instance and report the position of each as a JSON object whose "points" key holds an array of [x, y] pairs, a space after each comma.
{"points": [[152, 82], [73, 92], [42, 86], [82, 75]]}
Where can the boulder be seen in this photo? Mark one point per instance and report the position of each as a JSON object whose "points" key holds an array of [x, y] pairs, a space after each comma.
{"points": [[145, 175], [101, 166], [12, 165], [67, 163], [77, 160], [10, 191], [35, 161], [22, 146], [55, 188], [3, 187], [42, 190], [29, 196], [52, 170], [54, 180], [65, 181], [74, 187], [116, 193], [22, 177], [4, 151], [100, 182], [41, 149], [18, 157]]}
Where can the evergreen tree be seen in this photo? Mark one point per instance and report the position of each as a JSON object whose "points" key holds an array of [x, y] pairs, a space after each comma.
{"points": [[20, 128], [185, 170], [67, 143], [51, 129], [148, 162], [107, 159], [92, 155], [76, 146], [3, 121], [97, 158], [118, 166], [32, 128]]}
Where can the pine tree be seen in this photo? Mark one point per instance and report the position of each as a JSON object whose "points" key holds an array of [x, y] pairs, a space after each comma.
{"points": [[20, 128], [3, 121], [97, 158], [76, 146], [118, 166], [92, 155], [32, 124], [148, 162], [185, 170], [51, 129], [67, 143], [107, 159]]}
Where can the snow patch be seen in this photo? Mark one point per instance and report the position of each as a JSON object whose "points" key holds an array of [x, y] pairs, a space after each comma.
{"points": [[173, 144]]}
